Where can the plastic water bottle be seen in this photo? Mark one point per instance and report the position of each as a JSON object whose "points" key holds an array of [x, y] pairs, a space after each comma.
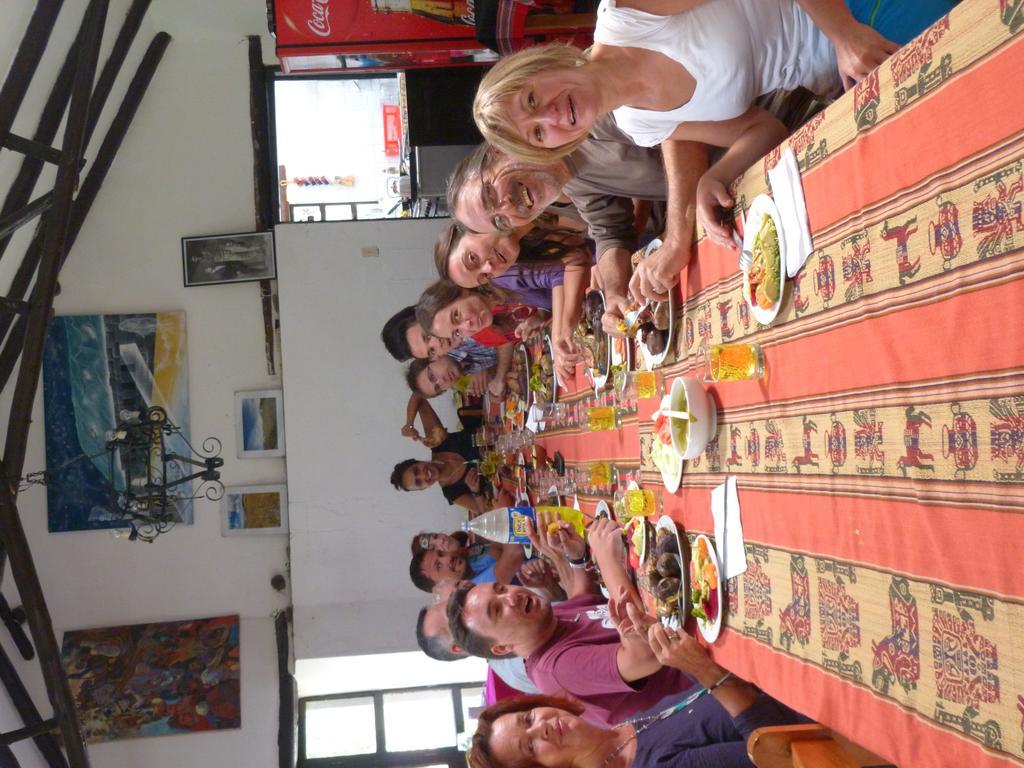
{"points": [[507, 525]]}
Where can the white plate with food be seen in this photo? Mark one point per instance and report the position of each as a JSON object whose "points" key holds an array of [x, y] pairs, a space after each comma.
{"points": [[654, 342], [620, 351], [765, 281], [595, 342], [554, 370], [638, 533], [542, 383], [663, 453], [706, 588], [666, 575]]}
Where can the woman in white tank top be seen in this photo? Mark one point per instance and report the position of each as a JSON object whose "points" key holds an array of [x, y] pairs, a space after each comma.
{"points": [[681, 70]]}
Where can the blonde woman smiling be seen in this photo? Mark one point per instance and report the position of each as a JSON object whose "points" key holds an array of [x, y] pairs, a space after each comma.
{"points": [[676, 70]]}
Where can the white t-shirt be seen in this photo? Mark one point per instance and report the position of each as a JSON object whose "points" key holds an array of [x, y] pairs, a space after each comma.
{"points": [[736, 50], [512, 670]]}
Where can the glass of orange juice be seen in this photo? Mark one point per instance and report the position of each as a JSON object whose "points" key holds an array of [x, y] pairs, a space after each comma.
{"points": [[635, 502], [602, 417], [600, 473], [733, 362]]}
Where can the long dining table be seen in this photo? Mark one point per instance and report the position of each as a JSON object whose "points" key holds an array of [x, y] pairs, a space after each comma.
{"points": [[880, 461]]}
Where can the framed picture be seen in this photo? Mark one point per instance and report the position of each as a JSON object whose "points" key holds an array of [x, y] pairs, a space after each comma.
{"points": [[254, 509], [96, 367], [259, 423], [238, 258], [155, 679]]}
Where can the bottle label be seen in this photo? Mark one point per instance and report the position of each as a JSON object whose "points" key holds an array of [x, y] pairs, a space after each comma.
{"points": [[517, 518]]}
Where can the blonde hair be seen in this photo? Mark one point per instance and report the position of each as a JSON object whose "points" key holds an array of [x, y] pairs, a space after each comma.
{"points": [[506, 79]]}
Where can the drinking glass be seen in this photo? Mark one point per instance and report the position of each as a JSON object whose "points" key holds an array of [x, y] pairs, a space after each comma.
{"points": [[733, 362], [600, 473], [602, 417], [635, 502]]}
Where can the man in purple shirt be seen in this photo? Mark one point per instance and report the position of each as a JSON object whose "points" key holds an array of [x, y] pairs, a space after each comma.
{"points": [[572, 648]]}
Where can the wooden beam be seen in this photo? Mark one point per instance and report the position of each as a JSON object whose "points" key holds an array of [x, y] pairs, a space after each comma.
{"points": [[12, 221], [286, 693], [87, 195], [27, 711], [263, 191], [54, 241], [28, 732], [26, 60], [30, 148]]}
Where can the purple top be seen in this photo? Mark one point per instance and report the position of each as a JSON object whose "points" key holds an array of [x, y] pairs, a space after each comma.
{"points": [[532, 284], [580, 660]]}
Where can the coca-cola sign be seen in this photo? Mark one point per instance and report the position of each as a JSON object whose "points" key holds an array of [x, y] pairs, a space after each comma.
{"points": [[319, 18]]}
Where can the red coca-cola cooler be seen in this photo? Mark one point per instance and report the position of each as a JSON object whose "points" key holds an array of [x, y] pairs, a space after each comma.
{"points": [[325, 35]]}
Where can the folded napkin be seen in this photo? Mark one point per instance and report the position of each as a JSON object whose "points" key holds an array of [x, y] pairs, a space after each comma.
{"points": [[725, 508], [788, 194], [534, 419]]}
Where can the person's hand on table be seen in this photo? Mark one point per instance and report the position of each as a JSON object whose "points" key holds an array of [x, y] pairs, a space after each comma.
{"points": [[629, 619], [713, 197], [675, 648], [496, 387], [478, 383], [860, 49], [658, 274], [410, 431]]}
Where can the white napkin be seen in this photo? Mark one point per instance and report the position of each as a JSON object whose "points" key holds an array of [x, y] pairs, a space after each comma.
{"points": [[534, 419], [788, 193], [725, 508]]}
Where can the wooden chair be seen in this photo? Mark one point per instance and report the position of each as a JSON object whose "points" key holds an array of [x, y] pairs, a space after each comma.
{"points": [[807, 746]]}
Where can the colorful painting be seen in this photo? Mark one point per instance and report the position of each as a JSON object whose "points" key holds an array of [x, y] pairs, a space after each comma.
{"points": [[254, 509], [154, 679], [97, 369], [259, 423]]}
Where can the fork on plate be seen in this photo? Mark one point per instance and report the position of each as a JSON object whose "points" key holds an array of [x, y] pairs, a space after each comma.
{"points": [[746, 257]]}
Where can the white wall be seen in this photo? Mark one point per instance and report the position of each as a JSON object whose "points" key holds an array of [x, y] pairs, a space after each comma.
{"points": [[345, 403], [185, 168]]}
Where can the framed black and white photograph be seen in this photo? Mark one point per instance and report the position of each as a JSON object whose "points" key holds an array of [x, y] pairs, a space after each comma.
{"points": [[237, 258]]}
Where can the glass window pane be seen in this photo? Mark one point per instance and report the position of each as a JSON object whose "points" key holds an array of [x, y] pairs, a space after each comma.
{"points": [[472, 698], [340, 727], [418, 720]]}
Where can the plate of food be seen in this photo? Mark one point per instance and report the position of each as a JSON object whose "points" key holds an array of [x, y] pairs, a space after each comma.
{"points": [[595, 342], [639, 539], [664, 590], [663, 452], [653, 326], [706, 588], [543, 388], [620, 362], [765, 280], [555, 384]]}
